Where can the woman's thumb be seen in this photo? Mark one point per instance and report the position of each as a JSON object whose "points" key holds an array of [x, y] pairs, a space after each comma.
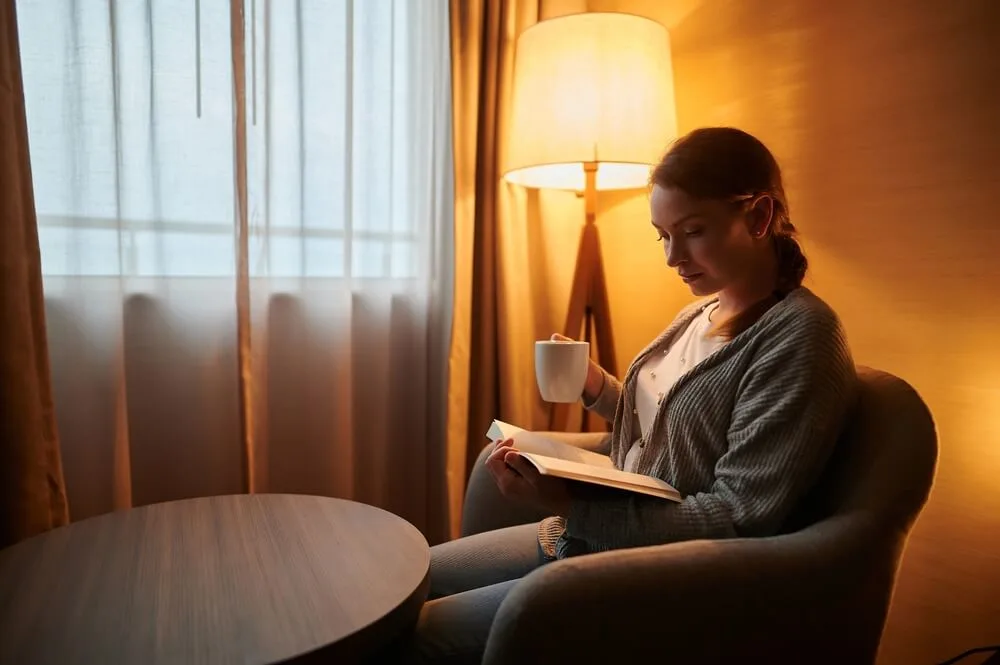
{"points": [[556, 337]]}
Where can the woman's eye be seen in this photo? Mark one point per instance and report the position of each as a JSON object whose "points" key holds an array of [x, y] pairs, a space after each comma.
{"points": [[693, 233], [660, 237]]}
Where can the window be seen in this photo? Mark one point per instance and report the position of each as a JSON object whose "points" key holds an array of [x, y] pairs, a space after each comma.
{"points": [[130, 118]]}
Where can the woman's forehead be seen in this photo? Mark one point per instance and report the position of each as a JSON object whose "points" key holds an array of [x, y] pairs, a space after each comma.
{"points": [[669, 198], [668, 205]]}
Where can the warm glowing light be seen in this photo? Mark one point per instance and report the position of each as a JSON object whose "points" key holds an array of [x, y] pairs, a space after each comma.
{"points": [[593, 87]]}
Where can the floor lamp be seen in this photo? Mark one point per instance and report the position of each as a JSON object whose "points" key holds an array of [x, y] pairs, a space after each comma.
{"points": [[592, 109]]}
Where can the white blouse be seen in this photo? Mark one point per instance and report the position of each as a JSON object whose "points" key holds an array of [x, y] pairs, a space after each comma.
{"points": [[659, 373]]}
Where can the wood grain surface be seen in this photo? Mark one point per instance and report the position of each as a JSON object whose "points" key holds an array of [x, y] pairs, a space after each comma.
{"points": [[230, 579]]}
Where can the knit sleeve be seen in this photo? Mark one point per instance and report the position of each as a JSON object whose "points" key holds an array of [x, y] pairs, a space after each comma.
{"points": [[606, 401], [789, 411]]}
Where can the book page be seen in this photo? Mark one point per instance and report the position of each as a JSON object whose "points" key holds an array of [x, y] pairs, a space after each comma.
{"points": [[533, 442], [612, 477]]}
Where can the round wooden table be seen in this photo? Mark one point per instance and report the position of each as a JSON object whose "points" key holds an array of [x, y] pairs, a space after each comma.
{"points": [[261, 578]]}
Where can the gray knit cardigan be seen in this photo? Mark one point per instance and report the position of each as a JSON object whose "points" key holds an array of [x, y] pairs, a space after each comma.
{"points": [[742, 436]]}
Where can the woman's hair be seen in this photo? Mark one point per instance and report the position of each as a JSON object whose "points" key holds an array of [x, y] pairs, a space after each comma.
{"points": [[726, 164]]}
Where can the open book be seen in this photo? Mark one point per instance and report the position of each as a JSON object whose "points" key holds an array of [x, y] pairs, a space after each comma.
{"points": [[554, 458]]}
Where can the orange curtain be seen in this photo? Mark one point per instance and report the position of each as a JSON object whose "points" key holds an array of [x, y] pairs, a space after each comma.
{"points": [[500, 303], [31, 478]]}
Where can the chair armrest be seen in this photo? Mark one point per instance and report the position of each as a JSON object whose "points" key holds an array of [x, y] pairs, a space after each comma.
{"points": [[757, 600], [485, 508]]}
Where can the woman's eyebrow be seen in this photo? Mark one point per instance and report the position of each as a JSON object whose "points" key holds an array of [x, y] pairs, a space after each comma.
{"points": [[685, 218]]}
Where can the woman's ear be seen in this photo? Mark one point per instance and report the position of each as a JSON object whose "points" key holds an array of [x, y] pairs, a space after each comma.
{"points": [[760, 215]]}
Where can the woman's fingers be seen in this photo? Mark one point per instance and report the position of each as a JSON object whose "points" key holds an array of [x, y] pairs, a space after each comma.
{"points": [[500, 449], [503, 443], [509, 481], [506, 467], [517, 478], [495, 462], [524, 469]]}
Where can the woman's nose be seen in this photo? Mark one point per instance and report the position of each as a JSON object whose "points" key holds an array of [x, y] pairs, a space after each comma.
{"points": [[675, 252]]}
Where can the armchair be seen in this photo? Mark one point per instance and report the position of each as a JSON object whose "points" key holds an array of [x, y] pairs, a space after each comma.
{"points": [[817, 594]]}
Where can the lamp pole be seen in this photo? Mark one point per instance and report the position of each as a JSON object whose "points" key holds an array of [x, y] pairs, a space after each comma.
{"points": [[588, 311]]}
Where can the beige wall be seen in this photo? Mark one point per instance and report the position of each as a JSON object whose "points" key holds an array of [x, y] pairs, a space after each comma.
{"points": [[886, 117]]}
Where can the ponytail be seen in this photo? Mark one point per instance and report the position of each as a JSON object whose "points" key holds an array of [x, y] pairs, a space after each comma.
{"points": [[792, 263]]}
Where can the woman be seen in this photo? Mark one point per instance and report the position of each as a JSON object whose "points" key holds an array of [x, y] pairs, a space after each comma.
{"points": [[754, 384]]}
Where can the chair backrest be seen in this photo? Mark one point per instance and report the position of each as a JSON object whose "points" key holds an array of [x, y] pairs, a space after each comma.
{"points": [[859, 515], [884, 467]]}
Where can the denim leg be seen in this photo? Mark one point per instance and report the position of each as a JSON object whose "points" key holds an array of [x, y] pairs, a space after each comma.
{"points": [[470, 577], [484, 559]]}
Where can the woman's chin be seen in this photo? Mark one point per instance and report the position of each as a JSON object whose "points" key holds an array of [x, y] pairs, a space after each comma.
{"points": [[702, 286]]}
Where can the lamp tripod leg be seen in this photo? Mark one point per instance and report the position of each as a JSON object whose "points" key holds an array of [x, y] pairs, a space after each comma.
{"points": [[588, 316]]}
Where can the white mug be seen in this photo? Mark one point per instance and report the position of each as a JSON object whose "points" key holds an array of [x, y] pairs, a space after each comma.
{"points": [[561, 369]]}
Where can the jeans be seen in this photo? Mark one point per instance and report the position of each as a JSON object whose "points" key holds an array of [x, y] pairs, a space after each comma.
{"points": [[470, 577]]}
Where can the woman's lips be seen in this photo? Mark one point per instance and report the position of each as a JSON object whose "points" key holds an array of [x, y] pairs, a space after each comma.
{"points": [[693, 277]]}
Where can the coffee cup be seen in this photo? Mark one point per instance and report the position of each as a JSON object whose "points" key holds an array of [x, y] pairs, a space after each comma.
{"points": [[561, 369]]}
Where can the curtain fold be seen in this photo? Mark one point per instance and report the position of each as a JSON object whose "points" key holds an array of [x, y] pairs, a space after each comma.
{"points": [[237, 34], [501, 303], [31, 478]]}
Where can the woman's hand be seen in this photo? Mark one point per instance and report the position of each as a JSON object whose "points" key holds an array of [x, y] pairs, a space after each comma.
{"points": [[518, 479], [595, 377]]}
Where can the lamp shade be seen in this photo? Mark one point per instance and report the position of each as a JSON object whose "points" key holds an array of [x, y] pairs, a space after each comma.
{"points": [[593, 87]]}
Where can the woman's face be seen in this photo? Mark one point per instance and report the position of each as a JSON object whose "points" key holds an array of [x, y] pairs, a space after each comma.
{"points": [[711, 244]]}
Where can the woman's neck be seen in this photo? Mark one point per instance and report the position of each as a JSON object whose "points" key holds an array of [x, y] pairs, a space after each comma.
{"points": [[759, 284]]}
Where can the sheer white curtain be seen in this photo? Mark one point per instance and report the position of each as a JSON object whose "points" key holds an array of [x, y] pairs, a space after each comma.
{"points": [[294, 342]]}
